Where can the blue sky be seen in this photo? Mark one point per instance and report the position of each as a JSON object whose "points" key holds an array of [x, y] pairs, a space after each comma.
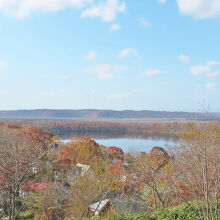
{"points": [[110, 54]]}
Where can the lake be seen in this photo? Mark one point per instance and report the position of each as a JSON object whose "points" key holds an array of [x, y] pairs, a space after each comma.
{"points": [[136, 144], [128, 144]]}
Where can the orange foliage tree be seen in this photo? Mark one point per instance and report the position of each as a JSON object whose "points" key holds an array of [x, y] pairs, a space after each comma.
{"points": [[197, 167], [23, 152], [116, 153], [153, 172]]}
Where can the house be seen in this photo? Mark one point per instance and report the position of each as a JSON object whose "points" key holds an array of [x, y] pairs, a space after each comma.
{"points": [[83, 169], [79, 170], [103, 208]]}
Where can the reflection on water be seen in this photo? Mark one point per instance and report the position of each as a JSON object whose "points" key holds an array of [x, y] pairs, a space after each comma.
{"points": [[136, 144], [158, 136]]}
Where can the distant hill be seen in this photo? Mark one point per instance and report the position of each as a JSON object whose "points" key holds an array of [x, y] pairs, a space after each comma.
{"points": [[94, 114]]}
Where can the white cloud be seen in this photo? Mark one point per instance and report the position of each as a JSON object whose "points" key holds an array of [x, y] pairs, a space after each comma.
{"points": [[23, 8], [215, 73], [143, 22], [162, 1], [126, 52], [115, 27], [3, 65], [199, 69], [105, 71], [205, 69], [210, 85], [184, 58], [119, 96], [200, 8], [152, 72], [212, 63], [91, 55], [63, 77], [107, 10]]}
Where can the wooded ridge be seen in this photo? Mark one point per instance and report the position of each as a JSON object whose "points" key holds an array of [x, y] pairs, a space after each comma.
{"points": [[102, 114]]}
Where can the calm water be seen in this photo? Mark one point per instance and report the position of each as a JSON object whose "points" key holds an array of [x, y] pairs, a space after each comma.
{"points": [[135, 144]]}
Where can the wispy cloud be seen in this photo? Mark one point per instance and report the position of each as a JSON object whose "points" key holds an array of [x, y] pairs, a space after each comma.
{"points": [[3, 65], [210, 85], [215, 73], [64, 93], [47, 93], [63, 77], [91, 55], [152, 72], [200, 8], [212, 63], [106, 10], [115, 27], [143, 22], [205, 69], [199, 69], [126, 52], [137, 90], [119, 96], [93, 92], [184, 58], [162, 1], [23, 8], [2, 92], [125, 95], [106, 71]]}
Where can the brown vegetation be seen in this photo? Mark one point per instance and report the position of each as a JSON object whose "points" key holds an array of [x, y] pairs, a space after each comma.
{"points": [[56, 180]]}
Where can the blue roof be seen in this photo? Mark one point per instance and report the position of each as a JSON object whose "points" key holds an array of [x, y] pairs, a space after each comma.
{"points": [[126, 164]]}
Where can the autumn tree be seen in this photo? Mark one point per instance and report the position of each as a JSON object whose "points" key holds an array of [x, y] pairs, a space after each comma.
{"points": [[23, 152], [152, 173], [84, 150], [115, 153], [197, 167], [70, 189], [51, 203], [90, 189], [95, 186]]}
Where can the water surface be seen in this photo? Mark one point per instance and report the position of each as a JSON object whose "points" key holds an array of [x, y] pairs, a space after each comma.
{"points": [[137, 144], [132, 144]]}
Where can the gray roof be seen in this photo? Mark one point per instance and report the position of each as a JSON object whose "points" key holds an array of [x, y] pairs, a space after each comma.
{"points": [[84, 168], [98, 206]]}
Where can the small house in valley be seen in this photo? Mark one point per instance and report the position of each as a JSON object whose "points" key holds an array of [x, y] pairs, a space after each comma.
{"points": [[102, 208], [83, 169], [79, 170]]}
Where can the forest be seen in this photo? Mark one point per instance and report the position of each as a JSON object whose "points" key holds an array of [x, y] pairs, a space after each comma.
{"points": [[43, 178], [96, 114], [129, 128]]}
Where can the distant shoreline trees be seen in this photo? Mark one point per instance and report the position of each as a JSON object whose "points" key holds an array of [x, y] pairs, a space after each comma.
{"points": [[157, 129]]}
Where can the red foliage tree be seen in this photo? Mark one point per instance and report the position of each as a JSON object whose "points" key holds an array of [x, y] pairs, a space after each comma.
{"points": [[158, 158], [23, 151], [115, 153]]}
